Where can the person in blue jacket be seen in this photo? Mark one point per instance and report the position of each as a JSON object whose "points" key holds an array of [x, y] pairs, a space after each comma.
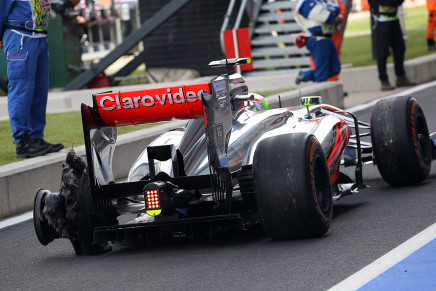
{"points": [[23, 35], [318, 19]]}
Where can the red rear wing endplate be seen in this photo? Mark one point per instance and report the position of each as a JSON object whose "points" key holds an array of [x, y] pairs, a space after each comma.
{"points": [[150, 105]]}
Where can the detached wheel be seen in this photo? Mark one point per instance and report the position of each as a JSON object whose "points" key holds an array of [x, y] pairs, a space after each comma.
{"points": [[292, 186], [400, 140]]}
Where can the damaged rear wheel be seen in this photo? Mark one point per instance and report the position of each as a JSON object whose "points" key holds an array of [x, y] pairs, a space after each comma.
{"points": [[83, 242], [72, 212], [44, 231]]}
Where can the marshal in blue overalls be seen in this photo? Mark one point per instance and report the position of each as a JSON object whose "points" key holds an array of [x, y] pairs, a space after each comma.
{"points": [[24, 26], [317, 18]]}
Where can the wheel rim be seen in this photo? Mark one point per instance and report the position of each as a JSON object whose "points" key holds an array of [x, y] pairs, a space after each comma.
{"points": [[44, 232], [423, 140], [321, 185]]}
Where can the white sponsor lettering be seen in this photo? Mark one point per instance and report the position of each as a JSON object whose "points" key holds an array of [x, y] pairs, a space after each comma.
{"points": [[128, 103], [191, 97], [103, 100], [109, 103], [178, 97], [149, 98]]}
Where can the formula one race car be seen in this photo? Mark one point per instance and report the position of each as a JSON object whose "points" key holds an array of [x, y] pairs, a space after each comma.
{"points": [[237, 163]]}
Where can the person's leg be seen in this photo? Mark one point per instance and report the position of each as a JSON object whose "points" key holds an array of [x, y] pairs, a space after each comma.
{"points": [[39, 104], [321, 58], [308, 75], [21, 73], [381, 34], [430, 31], [398, 48], [40, 94], [21, 83], [382, 49]]}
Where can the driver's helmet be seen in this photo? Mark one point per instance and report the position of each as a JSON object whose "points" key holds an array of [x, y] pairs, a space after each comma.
{"points": [[259, 103]]}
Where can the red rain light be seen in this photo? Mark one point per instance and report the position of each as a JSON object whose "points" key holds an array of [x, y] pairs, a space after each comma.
{"points": [[152, 199]]}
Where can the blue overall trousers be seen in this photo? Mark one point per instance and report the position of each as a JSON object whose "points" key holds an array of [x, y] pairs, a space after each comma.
{"points": [[28, 72], [24, 24]]}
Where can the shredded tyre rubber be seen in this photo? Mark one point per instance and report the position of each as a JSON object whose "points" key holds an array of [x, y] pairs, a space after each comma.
{"points": [[61, 210]]}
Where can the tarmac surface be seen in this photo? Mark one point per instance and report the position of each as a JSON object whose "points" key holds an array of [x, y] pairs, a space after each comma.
{"points": [[379, 240]]}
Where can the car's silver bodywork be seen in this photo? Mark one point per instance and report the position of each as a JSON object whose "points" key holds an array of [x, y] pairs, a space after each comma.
{"points": [[250, 125]]}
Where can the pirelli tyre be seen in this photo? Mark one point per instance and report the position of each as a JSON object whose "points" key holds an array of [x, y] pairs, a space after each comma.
{"points": [[45, 232], [83, 243], [292, 186], [400, 140]]}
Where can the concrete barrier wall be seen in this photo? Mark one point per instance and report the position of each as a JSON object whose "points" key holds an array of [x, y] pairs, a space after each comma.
{"points": [[331, 92], [20, 181], [419, 70]]}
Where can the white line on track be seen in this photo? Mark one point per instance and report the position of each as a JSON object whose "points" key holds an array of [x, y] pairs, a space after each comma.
{"points": [[16, 219], [387, 261], [409, 91]]}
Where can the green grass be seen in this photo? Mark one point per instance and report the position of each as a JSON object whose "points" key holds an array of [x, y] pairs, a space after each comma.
{"points": [[356, 50], [63, 128], [415, 18]]}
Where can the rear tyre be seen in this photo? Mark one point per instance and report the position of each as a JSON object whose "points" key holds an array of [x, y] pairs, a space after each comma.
{"points": [[292, 186], [83, 242], [400, 140], [44, 232]]}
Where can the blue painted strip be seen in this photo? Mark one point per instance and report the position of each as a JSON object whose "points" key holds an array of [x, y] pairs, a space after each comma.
{"points": [[416, 272], [414, 249]]}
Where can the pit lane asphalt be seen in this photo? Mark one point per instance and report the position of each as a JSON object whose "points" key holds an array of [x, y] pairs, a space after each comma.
{"points": [[365, 227]]}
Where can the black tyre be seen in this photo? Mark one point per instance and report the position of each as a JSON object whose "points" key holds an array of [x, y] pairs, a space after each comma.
{"points": [[83, 242], [44, 232], [400, 140], [80, 215], [292, 186]]}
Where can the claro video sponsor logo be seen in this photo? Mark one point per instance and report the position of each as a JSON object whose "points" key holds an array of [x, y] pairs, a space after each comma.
{"points": [[110, 103]]}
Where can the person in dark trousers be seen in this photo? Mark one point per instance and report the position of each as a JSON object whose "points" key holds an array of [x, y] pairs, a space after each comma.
{"points": [[388, 34], [23, 34]]}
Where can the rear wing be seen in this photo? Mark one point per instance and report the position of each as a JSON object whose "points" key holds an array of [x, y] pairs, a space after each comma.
{"points": [[212, 101], [113, 109]]}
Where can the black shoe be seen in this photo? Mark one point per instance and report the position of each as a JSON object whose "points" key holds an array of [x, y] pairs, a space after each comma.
{"points": [[300, 77], [28, 149], [386, 86], [402, 81], [431, 45], [53, 147]]}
